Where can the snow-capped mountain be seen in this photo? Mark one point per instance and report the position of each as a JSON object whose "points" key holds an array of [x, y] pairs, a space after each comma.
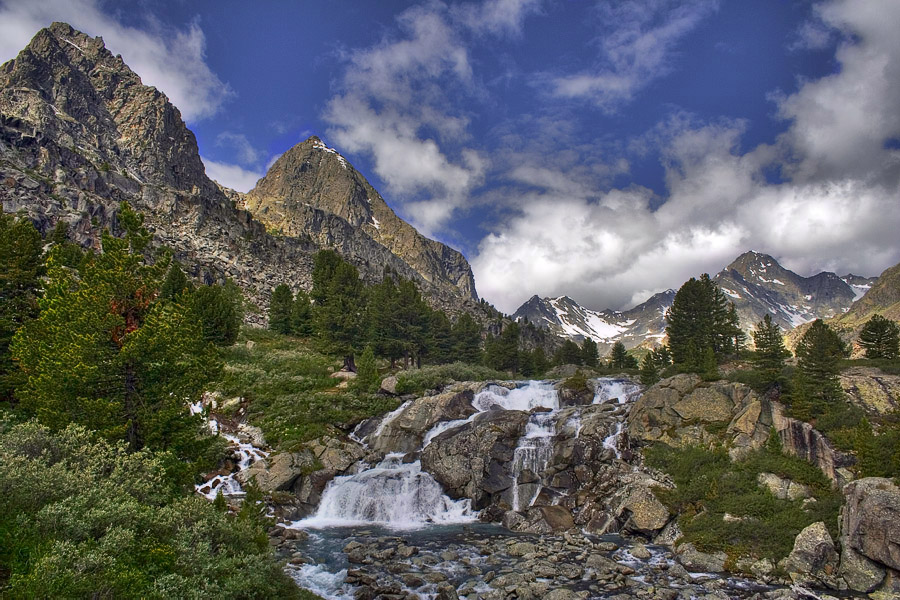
{"points": [[566, 318], [755, 282]]}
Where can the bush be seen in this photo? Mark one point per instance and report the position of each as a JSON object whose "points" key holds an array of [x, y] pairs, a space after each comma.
{"points": [[709, 485], [80, 517], [437, 376]]}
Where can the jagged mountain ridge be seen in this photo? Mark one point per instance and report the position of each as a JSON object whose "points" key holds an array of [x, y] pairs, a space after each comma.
{"points": [[79, 133], [755, 282], [313, 176], [564, 317]]}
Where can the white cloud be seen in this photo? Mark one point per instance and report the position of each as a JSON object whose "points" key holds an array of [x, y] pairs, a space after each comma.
{"points": [[498, 17], [637, 42], [246, 154], [172, 60], [232, 176], [837, 209]]}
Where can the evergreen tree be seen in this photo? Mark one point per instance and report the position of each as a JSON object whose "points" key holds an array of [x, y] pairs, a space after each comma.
{"points": [[539, 361], [301, 315], [413, 318], [280, 308], [439, 340], [325, 264], [816, 383], [589, 355], [20, 270], [649, 370], [880, 338], [175, 283], [701, 318], [568, 354], [66, 253], [382, 320], [367, 372], [104, 353], [339, 310], [619, 356], [661, 357], [770, 354], [466, 336], [218, 314], [502, 353]]}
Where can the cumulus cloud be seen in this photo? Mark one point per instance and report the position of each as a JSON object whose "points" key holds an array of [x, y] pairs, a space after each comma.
{"points": [[243, 150], [637, 40], [395, 105], [170, 59], [835, 207], [232, 176]]}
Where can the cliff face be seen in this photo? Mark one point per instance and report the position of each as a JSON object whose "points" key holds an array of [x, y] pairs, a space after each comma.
{"points": [[79, 133], [313, 176]]}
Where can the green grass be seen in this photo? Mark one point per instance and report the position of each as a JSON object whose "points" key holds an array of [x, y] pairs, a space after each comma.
{"points": [[890, 367], [290, 394], [709, 485]]}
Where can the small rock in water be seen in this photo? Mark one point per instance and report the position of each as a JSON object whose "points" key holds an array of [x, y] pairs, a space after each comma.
{"points": [[607, 546], [640, 551]]}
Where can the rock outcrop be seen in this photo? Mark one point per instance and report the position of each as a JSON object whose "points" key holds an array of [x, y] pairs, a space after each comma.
{"points": [[80, 133], [406, 431], [870, 522], [874, 391], [813, 559]]}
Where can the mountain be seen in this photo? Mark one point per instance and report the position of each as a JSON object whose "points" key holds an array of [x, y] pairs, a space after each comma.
{"points": [[311, 177], [755, 282], [80, 133], [566, 318], [757, 285]]}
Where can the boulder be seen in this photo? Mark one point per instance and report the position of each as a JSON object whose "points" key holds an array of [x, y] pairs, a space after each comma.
{"points": [[802, 440], [335, 454], [389, 385], [813, 559], [875, 392], [539, 520], [860, 573], [251, 434], [700, 562], [406, 431], [708, 405], [278, 472], [783, 488], [870, 520], [647, 514]]}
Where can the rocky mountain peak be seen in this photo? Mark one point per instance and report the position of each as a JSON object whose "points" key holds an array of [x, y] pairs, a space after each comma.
{"points": [[311, 177]]}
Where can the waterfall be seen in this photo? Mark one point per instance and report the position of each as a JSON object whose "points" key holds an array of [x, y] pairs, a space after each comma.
{"points": [[392, 493], [532, 454], [612, 440], [622, 390]]}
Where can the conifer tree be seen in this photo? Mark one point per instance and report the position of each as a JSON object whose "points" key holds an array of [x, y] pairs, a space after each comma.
{"points": [[466, 336], [661, 357], [382, 320], [301, 315], [106, 354], [701, 318], [568, 354], [217, 313], [339, 310], [502, 353], [412, 315], [880, 338], [367, 371], [280, 307], [20, 270], [649, 370], [325, 263], [175, 283], [816, 383], [439, 340], [589, 355], [619, 358], [770, 354]]}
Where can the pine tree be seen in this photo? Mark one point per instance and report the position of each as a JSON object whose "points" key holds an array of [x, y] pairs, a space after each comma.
{"points": [[106, 354], [367, 371], [218, 314], [382, 320], [619, 358], [662, 357], [439, 340], [466, 336], [770, 354], [701, 318], [649, 370], [568, 354], [325, 263], [175, 283], [301, 315], [589, 355], [816, 384], [502, 353], [339, 310], [880, 338], [20, 270], [280, 307], [413, 319]]}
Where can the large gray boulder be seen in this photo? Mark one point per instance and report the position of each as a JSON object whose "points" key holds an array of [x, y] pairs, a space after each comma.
{"points": [[870, 520], [278, 472], [700, 562], [813, 559], [406, 431]]}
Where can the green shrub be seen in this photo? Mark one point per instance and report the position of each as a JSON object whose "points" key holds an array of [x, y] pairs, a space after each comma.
{"points": [[436, 376]]}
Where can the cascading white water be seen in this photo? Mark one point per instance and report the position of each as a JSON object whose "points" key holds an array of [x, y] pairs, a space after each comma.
{"points": [[622, 390], [393, 493], [612, 440], [533, 453]]}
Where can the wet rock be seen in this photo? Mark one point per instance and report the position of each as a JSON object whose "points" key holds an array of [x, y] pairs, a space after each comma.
{"points": [[334, 454], [251, 434], [278, 472], [540, 519], [640, 551], [647, 514], [406, 431], [813, 559]]}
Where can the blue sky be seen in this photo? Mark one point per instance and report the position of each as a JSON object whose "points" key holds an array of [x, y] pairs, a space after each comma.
{"points": [[605, 150]]}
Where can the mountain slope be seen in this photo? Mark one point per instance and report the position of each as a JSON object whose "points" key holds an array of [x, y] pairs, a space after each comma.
{"points": [[79, 133], [312, 175], [755, 282], [566, 318]]}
